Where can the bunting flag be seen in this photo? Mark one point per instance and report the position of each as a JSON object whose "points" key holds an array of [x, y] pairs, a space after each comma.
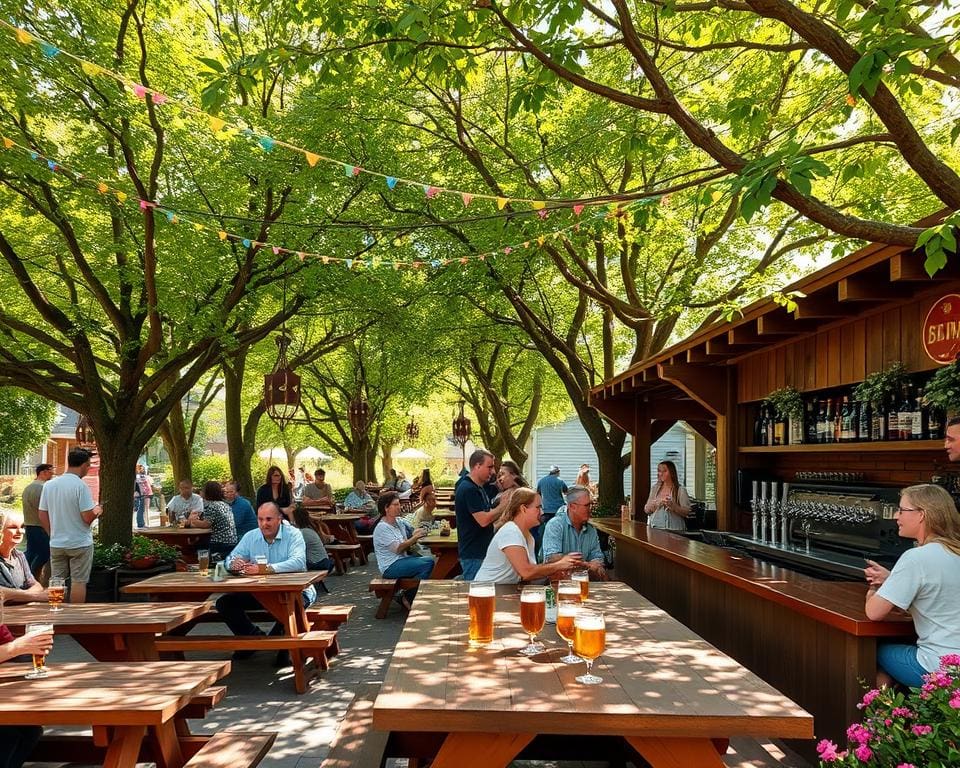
{"points": [[222, 129], [174, 217]]}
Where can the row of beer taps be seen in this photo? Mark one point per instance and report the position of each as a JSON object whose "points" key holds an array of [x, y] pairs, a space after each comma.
{"points": [[772, 513]]}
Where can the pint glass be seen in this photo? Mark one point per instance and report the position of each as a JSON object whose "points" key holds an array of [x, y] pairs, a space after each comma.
{"points": [[55, 593], [481, 600], [569, 591], [39, 659], [203, 558], [583, 578]]}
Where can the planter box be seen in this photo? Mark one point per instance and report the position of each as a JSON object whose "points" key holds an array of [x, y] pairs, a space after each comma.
{"points": [[102, 587]]}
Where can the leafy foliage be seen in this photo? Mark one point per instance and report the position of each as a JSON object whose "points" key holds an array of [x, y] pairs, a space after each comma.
{"points": [[25, 421]]}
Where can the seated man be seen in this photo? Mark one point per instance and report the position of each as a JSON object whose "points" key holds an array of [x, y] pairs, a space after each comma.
{"points": [[571, 531], [244, 518], [185, 502], [283, 546], [17, 584], [319, 493]]}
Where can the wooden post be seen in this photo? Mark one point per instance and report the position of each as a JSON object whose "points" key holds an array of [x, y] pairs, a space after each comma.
{"points": [[640, 460]]}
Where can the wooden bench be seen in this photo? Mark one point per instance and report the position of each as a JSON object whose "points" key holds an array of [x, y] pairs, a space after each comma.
{"points": [[313, 644], [233, 749], [357, 744], [366, 542], [342, 553], [387, 589]]}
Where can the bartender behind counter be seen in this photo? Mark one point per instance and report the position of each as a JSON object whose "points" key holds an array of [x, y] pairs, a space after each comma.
{"points": [[668, 504]]}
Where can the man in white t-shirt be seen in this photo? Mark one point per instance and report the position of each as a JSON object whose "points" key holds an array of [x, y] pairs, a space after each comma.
{"points": [[185, 502], [67, 510]]}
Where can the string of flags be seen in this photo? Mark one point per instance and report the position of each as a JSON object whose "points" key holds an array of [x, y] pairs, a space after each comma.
{"points": [[224, 128], [175, 217]]}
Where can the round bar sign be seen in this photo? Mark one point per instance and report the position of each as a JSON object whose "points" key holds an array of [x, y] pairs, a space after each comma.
{"points": [[941, 329]]}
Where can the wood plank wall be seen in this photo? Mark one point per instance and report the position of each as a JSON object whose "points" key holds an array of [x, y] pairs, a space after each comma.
{"points": [[884, 468]]}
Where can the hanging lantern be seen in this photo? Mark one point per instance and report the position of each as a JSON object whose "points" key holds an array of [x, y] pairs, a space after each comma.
{"points": [[281, 388], [358, 413], [84, 433], [413, 430], [461, 428]]}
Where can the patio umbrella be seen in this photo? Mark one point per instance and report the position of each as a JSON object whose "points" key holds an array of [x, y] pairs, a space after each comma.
{"points": [[269, 453], [313, 454], [411, 453]]}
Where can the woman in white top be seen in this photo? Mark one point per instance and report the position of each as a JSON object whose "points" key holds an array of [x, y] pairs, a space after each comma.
{"points": [[925, 581], [395, 544], [668, 504], [510, 556]]}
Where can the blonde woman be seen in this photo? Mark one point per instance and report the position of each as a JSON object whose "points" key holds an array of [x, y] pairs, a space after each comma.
{"points": [[668, 504], [925, 581], [511, 556]]}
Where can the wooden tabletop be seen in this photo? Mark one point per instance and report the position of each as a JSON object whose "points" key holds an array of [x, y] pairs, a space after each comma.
{"points": [[102, 618], [839, 604], [166, 530], [660, 680], [99, 693], [436, 541], [193, 583], [345, 517]]}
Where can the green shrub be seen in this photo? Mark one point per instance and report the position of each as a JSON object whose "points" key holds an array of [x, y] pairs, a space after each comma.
{"points": [[211, 467], [340, 494]]}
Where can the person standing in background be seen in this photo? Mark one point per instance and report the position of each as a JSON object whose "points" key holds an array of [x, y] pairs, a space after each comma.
{"points": [[142, 495], [38, 540], [551, 489], [668, 504], [474, 517]]}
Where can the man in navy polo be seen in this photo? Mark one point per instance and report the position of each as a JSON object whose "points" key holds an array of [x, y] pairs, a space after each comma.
{"points": [[474, 518]]}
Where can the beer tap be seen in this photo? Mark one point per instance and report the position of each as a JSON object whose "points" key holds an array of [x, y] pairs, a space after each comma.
{"points": [[784, 520], [774, 510], [763, 511], [755, 507]]}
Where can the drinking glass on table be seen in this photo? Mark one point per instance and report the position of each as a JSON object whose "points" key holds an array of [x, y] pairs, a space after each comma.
{"points": [[55, 593], [569, 591], [481, 601], [583, 579], [589, 641], [203, 558], [566, 613], [39, 659], [533, 614], [261, 561]]}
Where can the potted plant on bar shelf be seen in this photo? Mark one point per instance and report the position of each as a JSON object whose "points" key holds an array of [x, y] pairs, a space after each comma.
{"points": [[943, 390], [787, 404]]}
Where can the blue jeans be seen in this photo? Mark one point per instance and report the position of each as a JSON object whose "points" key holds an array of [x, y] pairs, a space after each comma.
{"points": [[900, 662], [138, 508], [410, 568], [38, 548], [470, 566]]}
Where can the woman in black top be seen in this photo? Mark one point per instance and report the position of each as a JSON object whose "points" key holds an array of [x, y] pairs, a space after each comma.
{"points": [[277, 490]]}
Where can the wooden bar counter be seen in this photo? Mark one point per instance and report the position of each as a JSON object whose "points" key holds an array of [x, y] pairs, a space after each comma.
{"points": [[807, 637]]}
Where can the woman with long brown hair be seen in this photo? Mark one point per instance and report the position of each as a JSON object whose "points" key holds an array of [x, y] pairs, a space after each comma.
{"points": [[277, 490], [668, 504]]}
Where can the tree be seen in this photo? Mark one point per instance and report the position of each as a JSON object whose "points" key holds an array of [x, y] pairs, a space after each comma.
{"points": [[25, 421]]}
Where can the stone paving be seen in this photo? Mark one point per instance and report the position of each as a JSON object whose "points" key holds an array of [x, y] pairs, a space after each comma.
{"points": [[261, 697]]}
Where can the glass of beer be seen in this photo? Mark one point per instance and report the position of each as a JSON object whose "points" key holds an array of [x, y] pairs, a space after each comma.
{"points": [[481, 600], [261, 561], [566, 612], [533, 614], [583, 578], [589, 641], [55, 593], [39, 659], [569, 591], [203, 558]]}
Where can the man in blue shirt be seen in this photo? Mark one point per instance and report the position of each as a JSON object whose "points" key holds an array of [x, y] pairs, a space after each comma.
{"points": [[551, 489], [474, 518], [571, 531], [244, 518], [284, 548]]}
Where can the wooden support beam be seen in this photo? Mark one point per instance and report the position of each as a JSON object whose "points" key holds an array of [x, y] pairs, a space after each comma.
{"points": [[744, 335], [908, 267], [727, 452], [640, 459], [659, 428], [621, 410], [820, 307], [679, 410], [702, 383], [718, 347], [707, 430], [698, 355], [864, 288], [650, 374]]}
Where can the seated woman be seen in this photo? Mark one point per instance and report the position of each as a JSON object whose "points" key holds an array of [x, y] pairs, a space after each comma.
{"points": [[395, 545], [925, 581], [16, 581], [668, 504], [317, 557], [277, 490], [218, 517], [510, 556], [18, 741]]}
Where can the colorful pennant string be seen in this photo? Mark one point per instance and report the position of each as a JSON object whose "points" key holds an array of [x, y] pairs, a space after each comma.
{"points": [[174, 217], [222, 129]]}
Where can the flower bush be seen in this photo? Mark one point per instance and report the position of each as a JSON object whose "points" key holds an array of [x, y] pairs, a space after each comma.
{"points": [[918, 730], [142, 546]]}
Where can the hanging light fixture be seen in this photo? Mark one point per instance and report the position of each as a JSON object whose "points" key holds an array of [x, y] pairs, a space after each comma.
{"points": [[358, 413], [413, 429], [84, 433], [281, 388], [461, 428]]}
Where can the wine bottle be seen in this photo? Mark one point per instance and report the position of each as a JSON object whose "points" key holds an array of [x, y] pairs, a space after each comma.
{"points": [[893, 419], [864, 421], [918, 427]]}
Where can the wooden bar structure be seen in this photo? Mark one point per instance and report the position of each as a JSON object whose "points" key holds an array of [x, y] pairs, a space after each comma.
{"points": [[852, 318]]}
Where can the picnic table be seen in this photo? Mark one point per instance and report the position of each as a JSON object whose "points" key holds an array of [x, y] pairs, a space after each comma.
{"points": [[110, 631], [448, 557], [342, 526], [123, 702], [666, 693], [187, 540], [278, 593]]}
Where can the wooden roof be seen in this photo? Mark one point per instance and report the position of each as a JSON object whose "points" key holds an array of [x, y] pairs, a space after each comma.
{"points": [[876, 274]]}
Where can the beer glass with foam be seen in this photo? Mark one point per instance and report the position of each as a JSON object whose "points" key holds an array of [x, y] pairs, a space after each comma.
{"points": [[583, 579], [55, 593], [569, 591], [566, 613], [589, 641], [39, 659], [203, 558], [481, 601], [533, 614]]}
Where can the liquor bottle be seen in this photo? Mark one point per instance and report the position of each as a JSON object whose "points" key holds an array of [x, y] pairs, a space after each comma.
{"points": [[758, 427], [769, 425], [905, 413], [779, 430], [918, 422], [864, 421], [810, 423], [846, 421], [878, 422], [822, 422], [837, 422], [934, 423], [893, 419]]}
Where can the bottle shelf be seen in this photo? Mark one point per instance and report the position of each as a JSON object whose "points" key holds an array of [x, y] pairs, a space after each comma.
{"points": [[865, 447]]}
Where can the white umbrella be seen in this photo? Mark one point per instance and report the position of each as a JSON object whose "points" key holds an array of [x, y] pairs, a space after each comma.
{"points": [[269, 453], [313, 454], [411, 453]]}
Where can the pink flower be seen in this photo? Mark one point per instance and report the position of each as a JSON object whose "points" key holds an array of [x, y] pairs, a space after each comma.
{"points": [[869, 696], [955, 700], [902, 712], [950, 660], [921, 730], [827, 751], [906, 765], [863, 752], [858, 734]]}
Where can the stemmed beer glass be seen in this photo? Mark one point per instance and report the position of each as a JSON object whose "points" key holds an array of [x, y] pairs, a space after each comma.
{"points": [[566, 613], [589, 641], [533, 614]]}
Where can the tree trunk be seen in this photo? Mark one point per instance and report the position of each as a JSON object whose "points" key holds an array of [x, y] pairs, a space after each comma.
{"points": [[610, 479], [386, 460], [175, 445], [118, 468]]}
